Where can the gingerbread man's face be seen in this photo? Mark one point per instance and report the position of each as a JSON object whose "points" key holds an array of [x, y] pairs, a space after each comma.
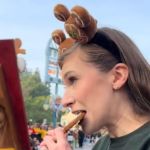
{"points": [[2, 117]]}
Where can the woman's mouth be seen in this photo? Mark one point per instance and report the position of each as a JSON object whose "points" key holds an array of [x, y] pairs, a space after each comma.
{"points": [[75, 121], [81, 113], [81, 121]]}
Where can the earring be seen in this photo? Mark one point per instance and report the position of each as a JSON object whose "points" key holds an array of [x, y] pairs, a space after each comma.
{"points": [[116, 87]]}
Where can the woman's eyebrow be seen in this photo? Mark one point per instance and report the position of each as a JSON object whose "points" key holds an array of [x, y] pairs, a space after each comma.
{"points": [[66, 74]]}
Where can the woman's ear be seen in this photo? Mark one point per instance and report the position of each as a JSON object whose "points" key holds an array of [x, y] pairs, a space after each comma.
{"points": [[120, 73]]}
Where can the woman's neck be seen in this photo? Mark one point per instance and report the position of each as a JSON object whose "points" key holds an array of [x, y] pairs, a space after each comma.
{"points": [[127, 123], [123, 118]]}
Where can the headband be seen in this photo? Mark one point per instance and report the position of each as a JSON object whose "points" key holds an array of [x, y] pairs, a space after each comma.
{"points": [[104, 41]]}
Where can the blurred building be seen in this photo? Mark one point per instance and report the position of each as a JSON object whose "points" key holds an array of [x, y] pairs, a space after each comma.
{"points": [[52, 71], [53, 79]]}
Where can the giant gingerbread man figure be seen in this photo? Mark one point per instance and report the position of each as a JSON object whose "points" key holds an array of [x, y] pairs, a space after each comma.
{"points": [[13, 126]]}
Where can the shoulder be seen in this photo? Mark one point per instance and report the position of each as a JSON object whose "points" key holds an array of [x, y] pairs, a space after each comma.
{"points": [[145, 142], [103, 142]]}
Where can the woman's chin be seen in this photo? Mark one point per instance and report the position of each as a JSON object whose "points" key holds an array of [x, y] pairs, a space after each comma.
{"points": [[87, 130], [86, 127]]}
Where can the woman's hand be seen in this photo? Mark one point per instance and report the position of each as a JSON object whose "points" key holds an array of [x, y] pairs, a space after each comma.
{"points": [[55, 140]]}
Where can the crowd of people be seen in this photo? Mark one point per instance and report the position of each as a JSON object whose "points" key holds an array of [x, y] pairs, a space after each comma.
{"points": [[75, 137], [36, 133]]}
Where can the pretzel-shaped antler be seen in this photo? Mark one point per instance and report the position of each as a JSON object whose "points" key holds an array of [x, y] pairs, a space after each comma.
{"points": [[79, 24], [64, 43]]}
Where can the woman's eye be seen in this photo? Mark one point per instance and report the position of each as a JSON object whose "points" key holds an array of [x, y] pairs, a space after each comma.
{"points": [[72, 80]]}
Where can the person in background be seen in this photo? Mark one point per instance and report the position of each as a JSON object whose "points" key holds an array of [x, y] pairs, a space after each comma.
{"points": [[81, 136], [75, 135], [70, 138]]}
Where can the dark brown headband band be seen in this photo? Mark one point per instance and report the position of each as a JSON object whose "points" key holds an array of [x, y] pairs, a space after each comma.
{"points": [[103, 40]]}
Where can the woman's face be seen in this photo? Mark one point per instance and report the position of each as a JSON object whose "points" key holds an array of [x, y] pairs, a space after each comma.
{"points": [[90, 88]]}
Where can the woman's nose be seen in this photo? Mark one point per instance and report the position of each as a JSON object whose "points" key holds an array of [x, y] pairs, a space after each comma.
{"points": [[67, 100]]}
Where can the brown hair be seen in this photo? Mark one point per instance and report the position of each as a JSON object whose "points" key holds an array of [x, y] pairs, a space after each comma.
{"points": [[109, 47]]}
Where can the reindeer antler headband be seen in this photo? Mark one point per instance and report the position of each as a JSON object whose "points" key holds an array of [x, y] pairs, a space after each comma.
{"points": [[82, 28], [79, 24]]}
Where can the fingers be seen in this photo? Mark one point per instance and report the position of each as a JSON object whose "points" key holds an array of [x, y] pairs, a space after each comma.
{"points": [[62, 142], [43, 146], [49, 142], [55, 140], [60, 135], [51, 133]]}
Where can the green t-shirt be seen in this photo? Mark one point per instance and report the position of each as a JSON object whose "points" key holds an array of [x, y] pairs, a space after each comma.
{"points": [[137, 140]]}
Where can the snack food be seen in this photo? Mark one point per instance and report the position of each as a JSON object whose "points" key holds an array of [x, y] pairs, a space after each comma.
{"points": [[73, 122]]}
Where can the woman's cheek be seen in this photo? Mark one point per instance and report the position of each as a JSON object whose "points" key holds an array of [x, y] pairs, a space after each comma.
{"points": [[84, 91]]}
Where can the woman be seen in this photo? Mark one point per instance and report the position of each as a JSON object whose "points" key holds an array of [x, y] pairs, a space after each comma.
{"points": [[109, 79]]}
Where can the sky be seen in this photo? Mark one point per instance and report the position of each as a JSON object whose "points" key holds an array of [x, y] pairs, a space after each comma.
{"points": [[33, 22]]}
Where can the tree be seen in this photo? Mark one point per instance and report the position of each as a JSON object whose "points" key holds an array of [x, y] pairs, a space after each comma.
{"points": [[35, 94], [32, 85], [35, 110]]}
